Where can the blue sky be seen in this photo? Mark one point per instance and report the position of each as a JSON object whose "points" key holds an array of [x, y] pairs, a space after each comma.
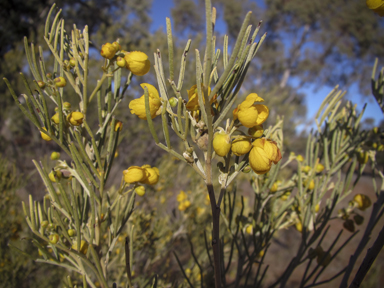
{"points": [[162, 9]]}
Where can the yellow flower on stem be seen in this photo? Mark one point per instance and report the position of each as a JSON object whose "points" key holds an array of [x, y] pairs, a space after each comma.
{"points": [[221, 143], [45, 136], [55, 118], [134, 174], [137, 62], [193, 98], [181, 196], [140, 190], [108, 50], [60, 82], [362, 201], [256, 131], [137, 106], [263, 153], [75, 118], [241, 146], [376, 6], [152, 175], [250, 114], [83, 246]]}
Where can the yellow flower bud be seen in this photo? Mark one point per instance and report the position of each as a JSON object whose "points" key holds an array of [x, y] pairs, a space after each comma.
{"points": [[118, 126], [75, 118], [117, 46], [55, 118], [44, 223], [54, 238], [299, 226], [140, 190], [299, 158], [249, 229], [247, 169], [221, 143], [317, 207], [250, 114], [256, 131], [134, 174], [263, 153], [60, 82], [120, 61], [173, 102], [71, 232], [72, 62], [241, 146], [285, 196], [137, 62], [108, 51], [83, 246], [45, 136], [375, 129], [41, 84], [67, 105], [319, 168], [310, 185], [55, 155], [137, 106], [273, 188], [362, 201], [306, 169], [376, 6], [55, 174]]}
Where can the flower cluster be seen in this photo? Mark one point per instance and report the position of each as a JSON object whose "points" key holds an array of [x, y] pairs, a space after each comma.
{"points": [[144, 174], [137, 62], [184, 203]]}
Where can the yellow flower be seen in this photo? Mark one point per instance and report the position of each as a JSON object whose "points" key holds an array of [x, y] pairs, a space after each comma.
{"points": [[75, 118], [299, 226], [83, 246], [310, 185], [55, 118], [152, 175], [137, 106], [118, 126], [181, 196], [256, 131], [300, 158], [52, 175], [249, 229], [137, 62], [274, 188], [306, 169], [55, 156], [362, 201], [140, 190], [45, 136], [221, 143], [263, 153], [108, 50], [319, 168], [241, 146], [134, 174], [184, 205], [376, 6], [250, 114], [193, 98]]}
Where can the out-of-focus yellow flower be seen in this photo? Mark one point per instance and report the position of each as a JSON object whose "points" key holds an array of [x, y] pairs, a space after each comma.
{"points": [[263, 153], [118, 126], [376, 6], [152, 175], [137, 106], [83, 246], [140, 190], [55, 118], [135, 174], [207, 200], [184, 205], [285, 196], [317, 207], [60, 82], [299, 226], [116, 45], [193, 98], [362, 201], [71, 232], [181, 196], [306, 169], [274, 188], [137, 62], [75, 118], [362, 157], [54, 238], [221, 143], [300, 158], [241, 146], [250, 114], [319, 168], [173, 101], [108, 50], [45, 136], [256, 131], [310, 185], [249, 229]]}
